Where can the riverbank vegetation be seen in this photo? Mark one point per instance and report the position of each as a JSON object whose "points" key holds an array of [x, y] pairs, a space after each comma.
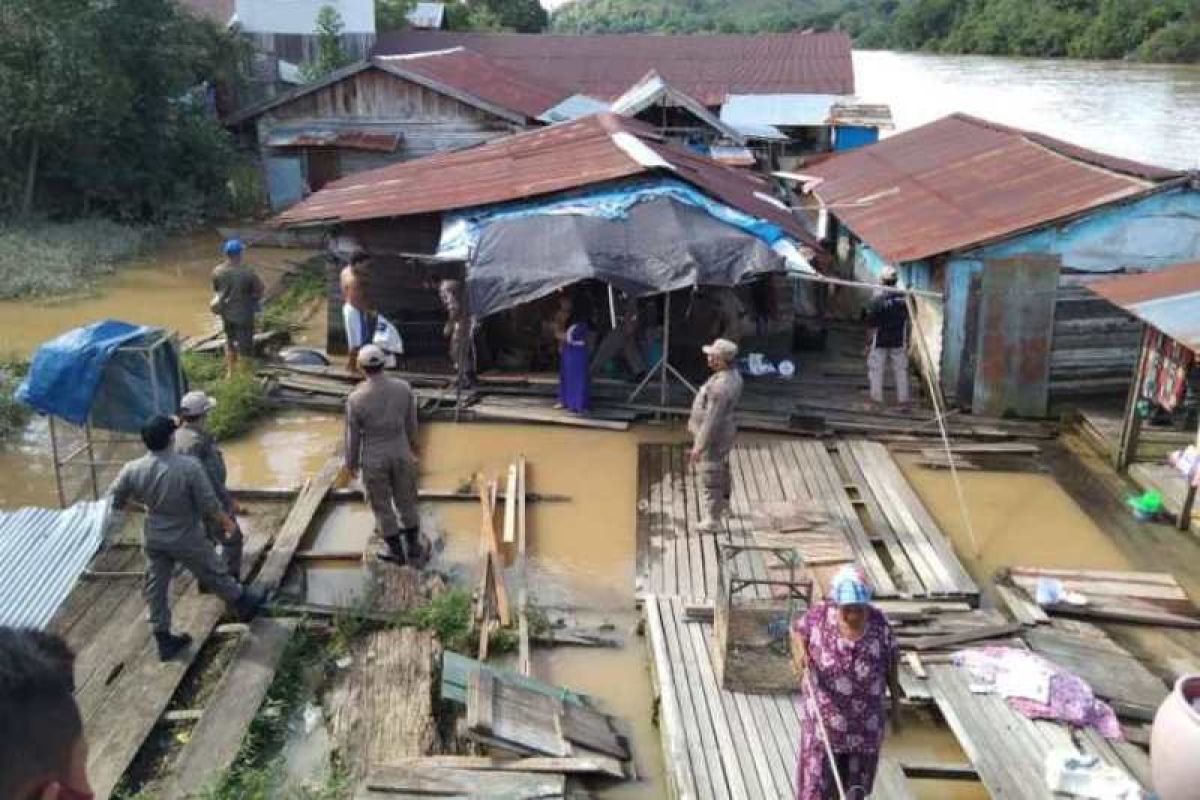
{"points": [[41, 258], [13, 414], [241, 399], [108, 110], [1149, 30]]}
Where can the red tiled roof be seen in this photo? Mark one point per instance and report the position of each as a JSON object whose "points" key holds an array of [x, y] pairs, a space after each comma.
{"points": [[481, 77], [705, 67], [557, 158], [962, 181]]}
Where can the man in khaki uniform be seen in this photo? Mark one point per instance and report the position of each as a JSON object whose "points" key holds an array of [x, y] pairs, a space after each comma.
{"points": [[178, 497], [193, 439], [239, 292], [381, 439], [713, 430]]}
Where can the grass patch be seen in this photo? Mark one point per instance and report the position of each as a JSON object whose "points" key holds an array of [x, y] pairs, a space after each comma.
{"points": [[241, 400], [449, 616], [13, 414], [287, 311], [41, 259]]}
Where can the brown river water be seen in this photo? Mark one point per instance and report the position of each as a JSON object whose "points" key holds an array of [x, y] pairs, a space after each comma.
{"points": [[582, 551]]}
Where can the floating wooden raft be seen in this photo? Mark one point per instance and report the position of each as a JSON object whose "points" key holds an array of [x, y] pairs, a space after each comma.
{"points": [[1152, 598], [864, 501]]}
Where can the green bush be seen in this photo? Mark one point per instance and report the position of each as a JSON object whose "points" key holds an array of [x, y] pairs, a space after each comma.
{"points": [[49, 258], [285, 312], [13, 414], [241, 400]]}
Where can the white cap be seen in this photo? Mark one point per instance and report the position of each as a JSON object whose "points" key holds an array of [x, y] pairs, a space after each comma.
{"points": [[722, 348], [196, 404], [888, 275], [371, 356]]}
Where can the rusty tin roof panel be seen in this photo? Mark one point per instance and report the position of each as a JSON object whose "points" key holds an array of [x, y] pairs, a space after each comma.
{"points": [[347, 139], [707, 68], [961, 181], [570, 155], [485, 78], [1168, 299]]}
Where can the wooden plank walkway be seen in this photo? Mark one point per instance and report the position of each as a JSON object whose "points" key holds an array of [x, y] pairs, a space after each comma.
{"points": [[1007, 749], [855, 483], [722, 744]]}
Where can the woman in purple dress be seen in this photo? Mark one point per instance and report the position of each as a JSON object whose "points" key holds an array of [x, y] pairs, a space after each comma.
{"points": [[574, 376], [848, 655]]}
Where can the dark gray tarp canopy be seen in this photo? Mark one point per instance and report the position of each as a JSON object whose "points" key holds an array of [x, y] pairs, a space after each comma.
{"points": [[661, 245]]}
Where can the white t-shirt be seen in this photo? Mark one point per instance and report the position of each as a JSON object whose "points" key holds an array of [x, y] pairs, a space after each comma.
{"points": [[384, 335]]}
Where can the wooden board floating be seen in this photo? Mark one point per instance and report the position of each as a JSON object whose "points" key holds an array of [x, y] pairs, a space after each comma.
{"points": [[851, 500]]}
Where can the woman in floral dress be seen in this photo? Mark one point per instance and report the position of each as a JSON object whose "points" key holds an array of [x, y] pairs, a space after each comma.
{"points": [[850, 654]]}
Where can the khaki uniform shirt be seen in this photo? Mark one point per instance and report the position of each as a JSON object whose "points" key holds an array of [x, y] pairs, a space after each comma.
{"points": [[202, 446], [712, 422], [176, 491], [381, 422], [239, 291]]}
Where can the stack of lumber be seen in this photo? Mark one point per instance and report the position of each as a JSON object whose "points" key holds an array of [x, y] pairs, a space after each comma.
{"points": [[1150, 598], [953, 630]]}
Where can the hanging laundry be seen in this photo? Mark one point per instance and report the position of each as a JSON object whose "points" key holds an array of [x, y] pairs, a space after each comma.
{"points": [[1165, 382]]}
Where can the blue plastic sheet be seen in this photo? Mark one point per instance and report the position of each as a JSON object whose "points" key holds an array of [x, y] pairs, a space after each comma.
{"points": [[461, 231], [85, 374]]}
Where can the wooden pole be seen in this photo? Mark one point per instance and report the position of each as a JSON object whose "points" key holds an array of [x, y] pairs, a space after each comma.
{"points": [[1131, 426]]}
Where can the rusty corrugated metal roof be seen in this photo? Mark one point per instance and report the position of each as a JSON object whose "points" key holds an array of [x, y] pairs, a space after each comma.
{"points": [[1168, 299], [961, 181], [458, 73], [482, 77], [381, 142], [707, 68], [588, 151]]}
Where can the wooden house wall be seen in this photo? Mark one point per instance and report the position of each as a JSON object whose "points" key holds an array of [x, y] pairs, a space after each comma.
{"points": [[429, 122]]}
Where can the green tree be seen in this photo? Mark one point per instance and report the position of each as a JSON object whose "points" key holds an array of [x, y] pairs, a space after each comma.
{"points": [[330, 55], [392, 15]]}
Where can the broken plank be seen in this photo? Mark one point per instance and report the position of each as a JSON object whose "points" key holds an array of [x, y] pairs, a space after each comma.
{"points": [[217, 737], [491, 546], [457, 669], [296, 525], [510, 505], [1023, 609], [414, 780], [570, 765], [939, 771], [944, 641], [487, 411]]}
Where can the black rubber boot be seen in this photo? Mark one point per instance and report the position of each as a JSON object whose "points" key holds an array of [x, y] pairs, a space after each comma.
{"points": [[170, 645], [418, 554], [248, 605], [394, 553]]}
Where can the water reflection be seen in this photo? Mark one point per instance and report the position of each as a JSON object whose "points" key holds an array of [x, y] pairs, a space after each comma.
{"points": [[1147, 112]]}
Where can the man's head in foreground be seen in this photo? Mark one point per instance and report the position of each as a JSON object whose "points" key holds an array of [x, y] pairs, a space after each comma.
{"points": [[43, 755]]}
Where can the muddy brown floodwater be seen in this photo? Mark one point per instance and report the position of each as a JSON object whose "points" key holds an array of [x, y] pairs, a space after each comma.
{"points": [[169, 287], [1019, 518]]}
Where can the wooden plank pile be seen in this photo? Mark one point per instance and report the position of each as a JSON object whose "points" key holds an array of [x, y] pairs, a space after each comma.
{"points": [[1149, 598]]}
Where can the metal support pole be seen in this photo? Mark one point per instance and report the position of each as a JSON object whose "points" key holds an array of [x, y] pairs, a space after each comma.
{"points": [[666, 353], [87, 430], [58, 482]]}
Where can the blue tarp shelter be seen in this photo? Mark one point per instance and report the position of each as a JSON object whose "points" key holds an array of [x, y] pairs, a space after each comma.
{"points": [[112, 374]]}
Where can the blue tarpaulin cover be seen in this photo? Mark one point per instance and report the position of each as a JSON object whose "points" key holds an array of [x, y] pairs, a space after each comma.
{"points": [[85, 374]]}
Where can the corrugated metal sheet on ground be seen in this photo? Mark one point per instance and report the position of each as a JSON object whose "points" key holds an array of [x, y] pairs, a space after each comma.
{"points": [[962, 181], [707, 68], [42, 554], [570, 155], [1168, 299]]}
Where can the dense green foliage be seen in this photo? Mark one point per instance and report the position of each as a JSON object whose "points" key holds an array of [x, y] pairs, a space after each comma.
{"points": [[104, 110], [1151, 30], [522, 16], [13, 414]]}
